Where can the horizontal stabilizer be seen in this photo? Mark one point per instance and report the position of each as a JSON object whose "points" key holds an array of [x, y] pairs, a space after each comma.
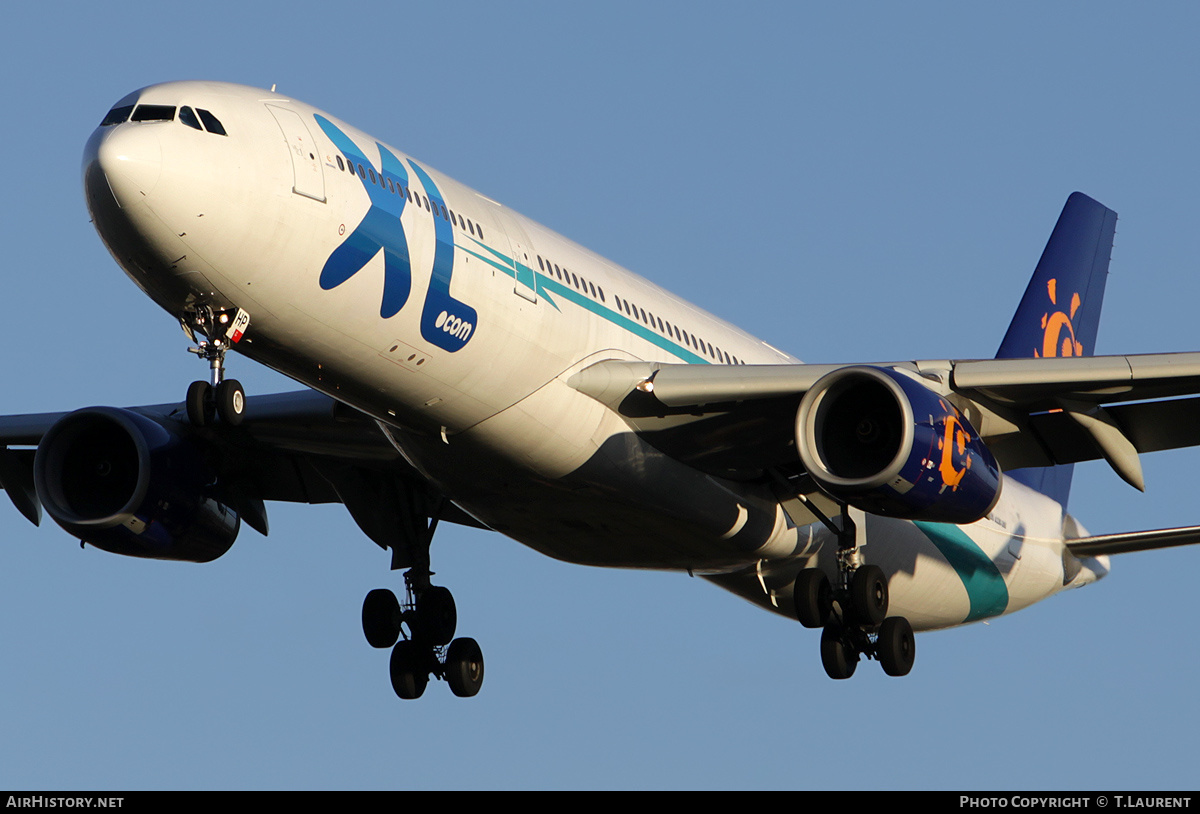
{"points": [[1134, 541]]}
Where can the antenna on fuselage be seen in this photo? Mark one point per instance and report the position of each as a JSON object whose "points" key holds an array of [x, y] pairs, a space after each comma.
{"points": [[272, 87]]}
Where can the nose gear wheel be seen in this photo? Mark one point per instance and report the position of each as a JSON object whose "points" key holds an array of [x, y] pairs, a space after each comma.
{"points": [[218, 398]]}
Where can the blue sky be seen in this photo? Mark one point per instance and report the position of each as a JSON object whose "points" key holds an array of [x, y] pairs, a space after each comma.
{"points": [[872, 182]]}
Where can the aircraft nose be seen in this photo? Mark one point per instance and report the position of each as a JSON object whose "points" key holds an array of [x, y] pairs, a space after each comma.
{"points": [[129, 156]]}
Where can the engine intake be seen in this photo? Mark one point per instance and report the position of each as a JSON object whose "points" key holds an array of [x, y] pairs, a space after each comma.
{"points": [[887, 444], [129, 485]]}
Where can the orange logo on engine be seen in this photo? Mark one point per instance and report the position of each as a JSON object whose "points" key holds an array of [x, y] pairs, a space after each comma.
{"points": [[1052, 326], [954, 439]]}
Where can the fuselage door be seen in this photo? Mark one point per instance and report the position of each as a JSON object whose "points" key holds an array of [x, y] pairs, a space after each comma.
{"points": [[309, 178], [526, 283], [524, 277]]}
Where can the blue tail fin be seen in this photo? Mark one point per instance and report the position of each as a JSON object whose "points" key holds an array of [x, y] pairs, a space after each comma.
{"points": [[1060, 312]]}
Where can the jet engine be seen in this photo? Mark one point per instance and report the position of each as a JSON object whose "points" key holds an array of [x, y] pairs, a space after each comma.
{"points": [[883, 442], [130, 485]]}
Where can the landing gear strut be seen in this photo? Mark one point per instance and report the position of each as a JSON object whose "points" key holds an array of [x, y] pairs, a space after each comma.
{"points": [[218, 397], [853, 615], [420, 630]]}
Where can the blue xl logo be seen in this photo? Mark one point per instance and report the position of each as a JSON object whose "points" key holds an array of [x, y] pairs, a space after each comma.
{"points": [[445, 322]]}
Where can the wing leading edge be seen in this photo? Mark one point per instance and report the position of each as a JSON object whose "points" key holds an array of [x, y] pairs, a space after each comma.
{"points": [[1030, 412], [1043, 402], [299, 447]]}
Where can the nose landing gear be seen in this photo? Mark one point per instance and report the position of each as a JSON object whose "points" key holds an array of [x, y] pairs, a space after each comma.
{"points": [[218, 398]]}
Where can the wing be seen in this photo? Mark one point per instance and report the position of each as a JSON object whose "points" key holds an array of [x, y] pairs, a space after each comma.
{"points": [[854, 425], [740, 420], [300, 447]]}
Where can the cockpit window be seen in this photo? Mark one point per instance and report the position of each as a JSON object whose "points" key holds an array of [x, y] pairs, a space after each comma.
{"points": [[189, 118], [117, 115], [211, 124], [154, 113]]}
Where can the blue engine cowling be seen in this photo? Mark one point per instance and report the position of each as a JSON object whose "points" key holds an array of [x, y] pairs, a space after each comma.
{"points": [[885, 443], [130, 485]]}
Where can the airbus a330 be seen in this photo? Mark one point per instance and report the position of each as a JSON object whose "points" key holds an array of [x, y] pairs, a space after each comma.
{"points": [[463, 364]]}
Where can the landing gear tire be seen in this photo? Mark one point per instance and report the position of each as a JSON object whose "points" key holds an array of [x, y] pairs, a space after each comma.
{"points": [[813, 597], [199, 404], [896, 647], [437, 617], [409, 669], [837, 656], [464, 667], [869, 595], [231, 402], [381, 618]]}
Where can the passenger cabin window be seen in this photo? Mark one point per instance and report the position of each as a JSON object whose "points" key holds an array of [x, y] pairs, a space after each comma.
{"points": [[211, 123], [154, 113], [117, 115]]}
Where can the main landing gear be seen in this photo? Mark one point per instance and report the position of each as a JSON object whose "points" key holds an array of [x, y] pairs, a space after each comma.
{"points": [[428, 647], [420, 630], [218, 398], [853, 616]]}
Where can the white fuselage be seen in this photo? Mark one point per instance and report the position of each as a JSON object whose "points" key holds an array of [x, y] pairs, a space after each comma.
{"points": [[461, 340]]}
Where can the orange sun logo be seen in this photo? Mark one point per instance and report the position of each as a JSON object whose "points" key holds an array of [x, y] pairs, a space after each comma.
{"points": [[1052, 327], [953, 445]]}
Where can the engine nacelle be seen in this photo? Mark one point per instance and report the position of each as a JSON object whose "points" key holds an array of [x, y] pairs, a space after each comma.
{"points": [[127, 484], [887, 444]]}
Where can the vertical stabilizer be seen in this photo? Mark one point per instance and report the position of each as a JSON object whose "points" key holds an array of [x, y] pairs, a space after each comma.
{"points": [[1060, 312]]}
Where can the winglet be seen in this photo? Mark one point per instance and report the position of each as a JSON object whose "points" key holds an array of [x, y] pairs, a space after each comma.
{"points": [[1060, 312]]}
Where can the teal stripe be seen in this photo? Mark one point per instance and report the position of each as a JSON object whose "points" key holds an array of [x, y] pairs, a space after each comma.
{"points": [[980, 576], [547, 285], [507, 269]]}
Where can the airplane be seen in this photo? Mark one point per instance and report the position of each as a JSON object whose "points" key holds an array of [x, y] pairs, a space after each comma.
{"points": [[464, 364]]}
